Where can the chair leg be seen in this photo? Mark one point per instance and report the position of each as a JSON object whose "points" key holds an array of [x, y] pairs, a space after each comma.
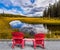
{"points": [[23, 44], [34, 44], [13, 44], [43, 44]]}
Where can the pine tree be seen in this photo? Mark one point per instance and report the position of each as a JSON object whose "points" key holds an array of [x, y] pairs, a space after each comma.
{"points": [[53, 10]]}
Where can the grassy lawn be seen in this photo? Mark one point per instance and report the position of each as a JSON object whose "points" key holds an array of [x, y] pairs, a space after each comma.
{"points": [[34, 20]]}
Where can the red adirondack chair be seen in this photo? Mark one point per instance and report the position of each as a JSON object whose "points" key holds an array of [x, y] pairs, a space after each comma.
{"points": [[39, 39], [17, 38]]}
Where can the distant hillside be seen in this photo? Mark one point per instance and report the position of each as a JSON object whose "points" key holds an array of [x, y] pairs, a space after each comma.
{"points": [[10, 15]]}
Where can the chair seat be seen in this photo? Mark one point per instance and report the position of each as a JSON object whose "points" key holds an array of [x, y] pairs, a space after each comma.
{"points": [[18, 41], [38, 41], [39, 38]]}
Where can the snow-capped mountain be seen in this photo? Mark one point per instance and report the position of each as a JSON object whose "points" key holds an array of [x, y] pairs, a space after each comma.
{"points": [[25, 7]]}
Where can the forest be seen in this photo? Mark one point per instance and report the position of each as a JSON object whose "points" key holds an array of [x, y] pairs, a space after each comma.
{"points": [[53, 11]]}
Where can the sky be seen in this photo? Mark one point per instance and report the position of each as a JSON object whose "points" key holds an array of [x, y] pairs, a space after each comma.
{"points": [[24, 7]]}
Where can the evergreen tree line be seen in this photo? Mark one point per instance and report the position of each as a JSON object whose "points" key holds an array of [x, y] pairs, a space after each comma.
{"points": [[52, 10]]}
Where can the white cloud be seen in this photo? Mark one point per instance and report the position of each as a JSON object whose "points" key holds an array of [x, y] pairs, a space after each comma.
{"points": [[27, 6], [12, 12], [1, 11]]}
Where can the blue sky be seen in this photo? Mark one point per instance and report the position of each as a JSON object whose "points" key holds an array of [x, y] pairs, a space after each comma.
{"points": [[24, 7]]}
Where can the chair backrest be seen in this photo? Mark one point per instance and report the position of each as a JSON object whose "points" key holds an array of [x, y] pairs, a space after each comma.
{"points": [[18, 34], [40, 35]]}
